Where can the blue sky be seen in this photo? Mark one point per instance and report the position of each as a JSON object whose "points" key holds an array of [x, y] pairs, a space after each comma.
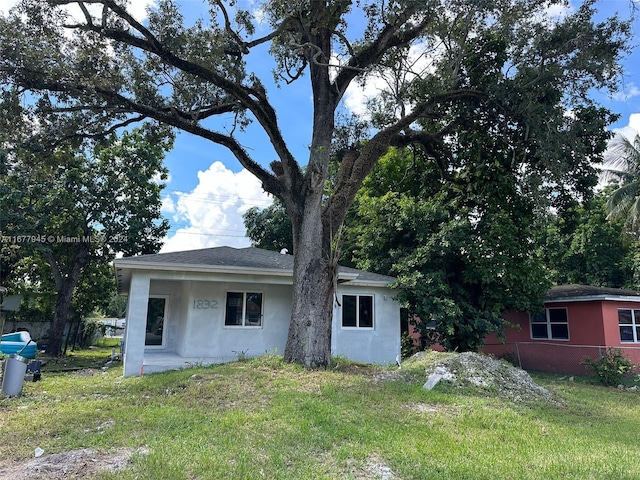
{"points": [[208, 191]]}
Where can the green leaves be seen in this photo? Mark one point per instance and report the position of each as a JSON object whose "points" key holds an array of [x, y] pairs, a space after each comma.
{"points": [[269, 228], [579, 245], [78, 208], [462, 250], [611, 367], [623, 167]]}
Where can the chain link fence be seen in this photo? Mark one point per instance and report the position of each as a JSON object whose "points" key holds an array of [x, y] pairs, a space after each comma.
{"points": [[555, 357]]}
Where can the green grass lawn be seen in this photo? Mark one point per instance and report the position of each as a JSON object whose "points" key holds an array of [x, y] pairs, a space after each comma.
{"points": [[266, 419]]}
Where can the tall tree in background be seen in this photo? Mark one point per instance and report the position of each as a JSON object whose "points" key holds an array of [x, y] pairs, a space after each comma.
{"points": [[462, 250], [446, 63], [74, 209], [623, 167], [579, 245]]}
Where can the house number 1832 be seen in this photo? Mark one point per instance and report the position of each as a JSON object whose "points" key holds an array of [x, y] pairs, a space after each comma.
{"points": [[200, 304]]}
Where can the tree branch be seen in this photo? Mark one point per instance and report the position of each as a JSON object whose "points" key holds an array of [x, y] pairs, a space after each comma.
{"points": [[315, 58], [231, 31], [269, 182], [391, 36], [352, 176], [55, 268], [249, 98]]}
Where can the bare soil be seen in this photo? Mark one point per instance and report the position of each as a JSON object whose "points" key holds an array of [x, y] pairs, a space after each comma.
{"points": [[77, 464]]}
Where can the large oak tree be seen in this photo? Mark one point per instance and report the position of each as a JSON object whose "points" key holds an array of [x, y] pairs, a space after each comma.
{"points": [[110, 70]]}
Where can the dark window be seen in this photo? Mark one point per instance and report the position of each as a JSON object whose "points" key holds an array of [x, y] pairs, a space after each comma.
{"points": [[624, 317], [539, 331], [349, 311], [253, 311], [404, 320], [552, 324], [560, 331], [365, 310], [243, 309], [233, 315], [357, 311], [155, 321], [557, 315]]}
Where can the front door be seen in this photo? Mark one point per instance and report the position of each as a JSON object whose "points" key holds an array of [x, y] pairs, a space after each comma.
{"points": [[155, 322]]}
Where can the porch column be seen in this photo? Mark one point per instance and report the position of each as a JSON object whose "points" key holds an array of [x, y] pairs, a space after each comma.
{"points": [[136, 324]]}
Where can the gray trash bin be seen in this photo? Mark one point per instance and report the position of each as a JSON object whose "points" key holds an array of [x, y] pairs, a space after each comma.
{"points": [[15, 368]]}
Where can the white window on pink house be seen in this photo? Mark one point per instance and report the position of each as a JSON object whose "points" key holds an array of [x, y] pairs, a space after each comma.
{"points": [[552, 324], [629, 323]]}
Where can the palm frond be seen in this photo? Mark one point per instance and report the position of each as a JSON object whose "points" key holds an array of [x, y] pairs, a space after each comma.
{"points": [[633, 216], [621, 200], [622, 159]]}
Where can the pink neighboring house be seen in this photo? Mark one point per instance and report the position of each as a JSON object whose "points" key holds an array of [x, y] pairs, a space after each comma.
{"points": [[578, 321]]}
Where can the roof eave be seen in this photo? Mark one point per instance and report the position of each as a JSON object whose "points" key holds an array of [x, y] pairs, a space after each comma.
{"points": [[591, 298], [123, 264], [189, 267], [368, 283]]}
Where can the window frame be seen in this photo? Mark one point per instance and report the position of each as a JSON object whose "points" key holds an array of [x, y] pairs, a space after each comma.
{"points": [[634, 325], [357, 326], [548, 323], [244, 324]]}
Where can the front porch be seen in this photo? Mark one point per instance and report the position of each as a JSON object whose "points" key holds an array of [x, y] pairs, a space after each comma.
{"points": [[162, 361]]}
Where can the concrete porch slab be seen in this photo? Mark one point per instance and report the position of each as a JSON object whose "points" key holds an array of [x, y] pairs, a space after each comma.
{"points": [[163, 361]]}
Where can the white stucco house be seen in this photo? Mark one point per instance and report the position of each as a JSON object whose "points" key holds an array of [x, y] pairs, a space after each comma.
{"points": [[213, 305]]}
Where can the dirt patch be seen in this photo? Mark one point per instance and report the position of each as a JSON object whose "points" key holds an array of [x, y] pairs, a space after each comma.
{"points": [[87, 372], [377, 469], [77, 464], [373, 468]]}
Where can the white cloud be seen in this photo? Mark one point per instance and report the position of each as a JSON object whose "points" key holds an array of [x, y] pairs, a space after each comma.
{"points": [[5, 5], [211, 215], [634, 122], [557, 12], [138, 8], [357, 96], [628, 91], [632, 129], [419, 62]]}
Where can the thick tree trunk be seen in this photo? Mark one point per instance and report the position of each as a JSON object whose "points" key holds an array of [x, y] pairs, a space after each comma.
{"points": [[314, 271], [309, 340], [63, 304], [65, 285]]}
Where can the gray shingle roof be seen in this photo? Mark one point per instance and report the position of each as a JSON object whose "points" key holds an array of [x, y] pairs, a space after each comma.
{"points": [[221, 256], [249, 258], [580, 291]]}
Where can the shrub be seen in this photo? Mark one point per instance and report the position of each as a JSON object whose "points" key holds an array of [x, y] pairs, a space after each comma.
{"points": [[610, 367], [407, 345]]}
